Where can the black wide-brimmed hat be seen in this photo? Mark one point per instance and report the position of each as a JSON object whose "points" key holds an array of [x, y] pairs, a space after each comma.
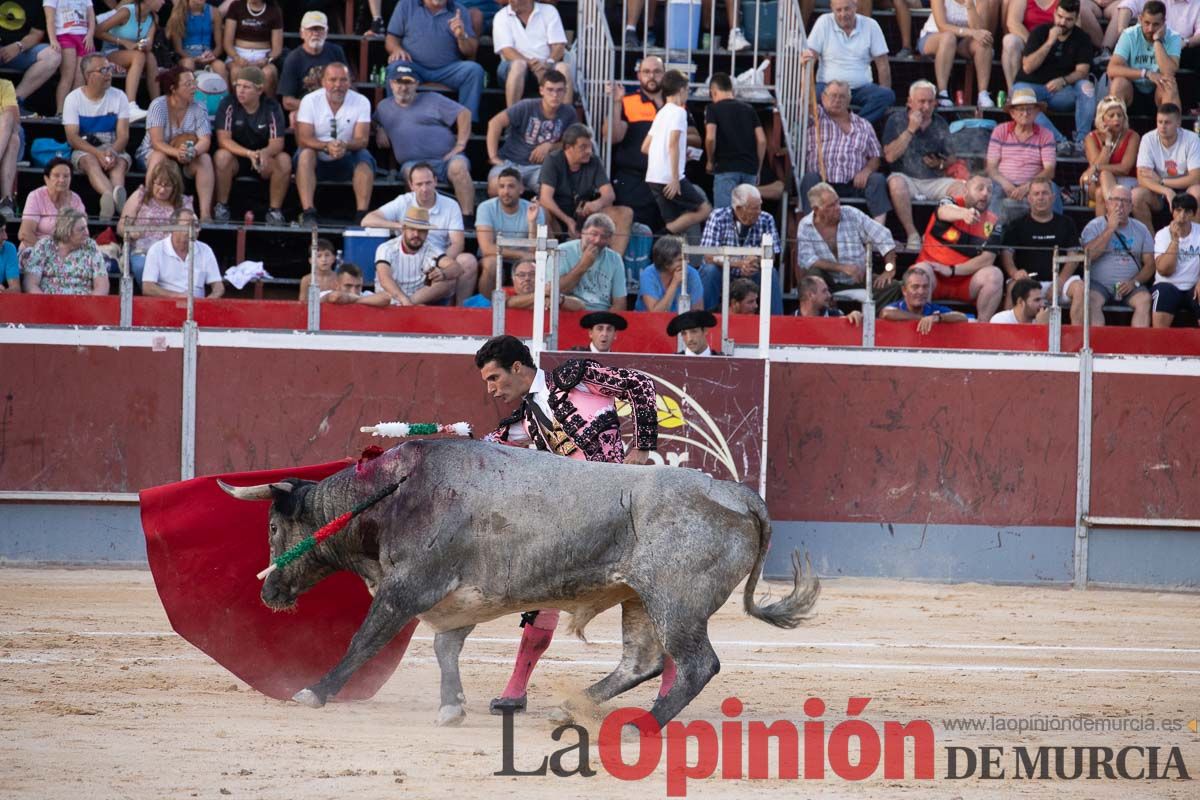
{"points": [[603, 318], [698, 318]]}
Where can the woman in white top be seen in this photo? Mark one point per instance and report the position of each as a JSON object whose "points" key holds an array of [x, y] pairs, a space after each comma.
{"points": [[958, 27]]}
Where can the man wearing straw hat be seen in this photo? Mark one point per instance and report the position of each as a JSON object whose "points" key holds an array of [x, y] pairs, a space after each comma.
{"points": [[568, 411], [411, 268], [1018, 152]]}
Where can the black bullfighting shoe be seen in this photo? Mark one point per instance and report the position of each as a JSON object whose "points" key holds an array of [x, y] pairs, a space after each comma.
{"points": [[515, 705]]}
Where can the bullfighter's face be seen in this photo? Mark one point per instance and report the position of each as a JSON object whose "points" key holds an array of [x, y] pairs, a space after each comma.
{"points": [[507, 385]]}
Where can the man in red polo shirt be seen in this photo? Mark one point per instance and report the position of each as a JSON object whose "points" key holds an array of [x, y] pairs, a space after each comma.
{"points": [[955, 254]]}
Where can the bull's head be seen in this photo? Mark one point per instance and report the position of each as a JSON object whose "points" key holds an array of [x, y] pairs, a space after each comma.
{"points": [[291, 520]]}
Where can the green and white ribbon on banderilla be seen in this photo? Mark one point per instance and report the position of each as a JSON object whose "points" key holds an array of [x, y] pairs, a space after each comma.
{"points": [[399, 430]]}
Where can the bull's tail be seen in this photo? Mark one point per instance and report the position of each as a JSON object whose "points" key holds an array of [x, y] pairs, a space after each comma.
{"points": [[793, 609]]}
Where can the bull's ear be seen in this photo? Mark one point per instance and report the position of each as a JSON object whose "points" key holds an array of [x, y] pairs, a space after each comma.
{"points": [[282, 486], [260, 492]]}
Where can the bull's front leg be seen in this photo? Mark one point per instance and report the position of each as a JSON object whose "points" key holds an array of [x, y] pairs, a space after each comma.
{"points": [[448, 645], [394, 606]]}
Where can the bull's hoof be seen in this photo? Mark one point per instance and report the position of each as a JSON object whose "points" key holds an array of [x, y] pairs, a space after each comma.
{"points": [[451, 716], [515, 705], [307, 697]]}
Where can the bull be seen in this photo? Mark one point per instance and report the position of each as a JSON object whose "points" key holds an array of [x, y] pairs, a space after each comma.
{"points": [[476, 531]]}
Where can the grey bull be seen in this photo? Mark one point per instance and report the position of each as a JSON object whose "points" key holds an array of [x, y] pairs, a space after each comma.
{"points": [[477, 531]]}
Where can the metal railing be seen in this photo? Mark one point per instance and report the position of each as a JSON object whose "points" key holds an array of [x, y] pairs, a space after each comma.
{"points": [[793, 82], [595, 63]]}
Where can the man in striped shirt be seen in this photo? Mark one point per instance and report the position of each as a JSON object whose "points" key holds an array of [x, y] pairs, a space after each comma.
{"points": [[844, 152], [1019, 152]]}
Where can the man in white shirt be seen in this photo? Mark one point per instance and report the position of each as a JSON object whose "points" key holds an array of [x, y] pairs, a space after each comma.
{"points": [[847, 44], [1029, 305], [1168, 163], [333, 130], [681, 203], [96, 122], [445, 219], [166, 272], [1177, 264], [528, 37], [411, 269]]}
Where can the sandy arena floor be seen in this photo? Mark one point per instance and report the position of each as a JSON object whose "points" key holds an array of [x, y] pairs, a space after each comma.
{"points": [[99, 699]]}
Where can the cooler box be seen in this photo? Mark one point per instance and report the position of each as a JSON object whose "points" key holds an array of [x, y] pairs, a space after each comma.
{"points": [[765, 23], [358, 247], [211, 89], [683, 24]]}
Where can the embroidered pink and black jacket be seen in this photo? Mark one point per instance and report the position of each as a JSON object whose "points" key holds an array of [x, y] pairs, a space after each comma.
{"points": [[580, 396]]}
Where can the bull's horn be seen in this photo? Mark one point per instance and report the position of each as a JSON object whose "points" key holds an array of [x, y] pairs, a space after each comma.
{"points": [[260, 492]]}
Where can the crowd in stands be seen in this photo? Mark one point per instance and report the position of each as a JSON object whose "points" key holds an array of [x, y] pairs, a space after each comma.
{"points": [[298, 117]]}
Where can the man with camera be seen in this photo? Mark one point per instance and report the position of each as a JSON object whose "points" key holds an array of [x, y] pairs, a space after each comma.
{"points": [[574, 186], [915, 145]]}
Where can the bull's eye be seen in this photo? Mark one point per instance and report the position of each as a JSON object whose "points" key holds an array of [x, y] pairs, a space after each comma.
{"points": [[274, 529]]}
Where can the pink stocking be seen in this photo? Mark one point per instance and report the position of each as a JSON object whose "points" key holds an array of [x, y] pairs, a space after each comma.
{"points": [[535, 638]]}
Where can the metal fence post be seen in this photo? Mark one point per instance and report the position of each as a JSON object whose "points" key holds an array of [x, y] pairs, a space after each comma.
{"points": [[126, 286]]}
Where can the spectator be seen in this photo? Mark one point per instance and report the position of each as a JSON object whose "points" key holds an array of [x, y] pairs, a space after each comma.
{"points": [[1146, 59], [327, 279], [1111, 151], [96, 122], [681, 203], [177, 128], [166, 272], [412, 270], [1021, 17], [196, 31], [10, 267], [1177, 263], [844, 152], [521, 293], [250, 131], [1028, 305], [43, 205], [575, 186], [853, 234], [916, 305], [590, 270], [743, 224], [71, 27], [445, 232], [815, 300], [254, 38], [379, 11], [535, 128], [1168, 163], [743, 297], [955, 28], [1029, 244], [847, 44], [693, 326], [529, 38], [1182, 17], [333, 130], [24, 49], [1121, 252], [348, 288], [662, 280], [11, 145], [506, 214], [1030, 241], [430, 128], [302, 67], [1018, 152], [128, 36], [916, 144], [602, 327], [632, 116], [152, 204], [733, 140], [1055, 66], [67, 261], [958, 256], [439, 43]]}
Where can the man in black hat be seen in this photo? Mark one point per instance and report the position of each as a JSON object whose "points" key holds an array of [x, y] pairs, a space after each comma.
{"points": [[602, 327], [693, 326]]}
